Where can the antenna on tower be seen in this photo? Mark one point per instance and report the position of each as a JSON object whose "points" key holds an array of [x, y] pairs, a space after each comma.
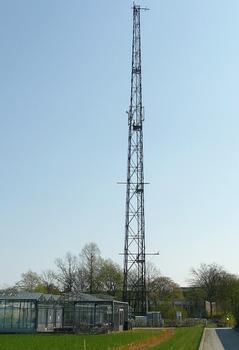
{"points": [[134, 287]]}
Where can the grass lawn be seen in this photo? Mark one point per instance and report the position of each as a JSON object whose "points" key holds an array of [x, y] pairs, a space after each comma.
{"points": [[72, 342], [182, 339]]}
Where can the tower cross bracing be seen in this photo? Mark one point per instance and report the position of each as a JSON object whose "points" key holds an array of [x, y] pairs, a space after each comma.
{"points": [[134, 288]]}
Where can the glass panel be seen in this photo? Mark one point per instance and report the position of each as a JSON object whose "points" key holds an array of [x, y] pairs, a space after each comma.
{"points": [[2, 314], [15, 314], [8, 315]]}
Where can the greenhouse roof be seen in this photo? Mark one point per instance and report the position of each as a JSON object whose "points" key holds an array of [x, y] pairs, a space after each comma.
{"points": [[51, 298], [81, 297], [30, 296]]}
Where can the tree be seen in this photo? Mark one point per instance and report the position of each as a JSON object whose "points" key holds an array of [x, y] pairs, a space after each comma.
{"points": [[163, 290], [228, 298], [210, 279], [48, 283], [91, 262], [67, 269], [80, 284], [152, 272], [195, 300], [29, 281], [8, 290], [110, 277]]}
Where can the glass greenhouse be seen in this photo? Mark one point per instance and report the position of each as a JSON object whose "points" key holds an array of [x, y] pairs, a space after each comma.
{"points": [[36, 312]]}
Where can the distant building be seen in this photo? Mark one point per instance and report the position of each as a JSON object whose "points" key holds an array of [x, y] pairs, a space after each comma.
{"points": [[210, 308], [35, 312]]}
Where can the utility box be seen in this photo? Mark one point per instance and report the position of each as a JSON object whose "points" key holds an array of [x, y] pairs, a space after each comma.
{"points": [[154, 319], [140, 321]]}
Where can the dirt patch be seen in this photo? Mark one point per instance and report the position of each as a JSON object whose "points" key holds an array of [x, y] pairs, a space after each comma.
{"points": [[148, 343]]}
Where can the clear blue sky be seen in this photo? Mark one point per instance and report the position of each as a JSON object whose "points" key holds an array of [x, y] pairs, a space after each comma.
{"points": [[64, 90]]}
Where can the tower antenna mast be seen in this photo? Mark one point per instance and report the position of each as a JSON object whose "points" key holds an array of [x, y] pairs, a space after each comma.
{"points": [[134, 287]]}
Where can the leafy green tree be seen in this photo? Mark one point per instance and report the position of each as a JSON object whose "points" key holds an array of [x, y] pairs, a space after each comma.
{"points": [[195, 300], [208, 278], [110, 278], [29, 281], [162, 289], [48, 283], [228, 299]]}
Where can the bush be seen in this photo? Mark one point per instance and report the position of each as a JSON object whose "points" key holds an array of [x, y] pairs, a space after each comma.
{"points": [[225, 319]]}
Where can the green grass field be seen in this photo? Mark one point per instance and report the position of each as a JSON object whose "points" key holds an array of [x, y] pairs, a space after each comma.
{"points": [[182, 339], [72, 342]]}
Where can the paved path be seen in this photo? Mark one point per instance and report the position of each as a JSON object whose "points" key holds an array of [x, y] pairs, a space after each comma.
{"points": [[211, 340], [221, 339]]}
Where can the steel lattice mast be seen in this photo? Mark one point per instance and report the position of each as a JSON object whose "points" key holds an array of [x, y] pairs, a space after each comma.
{"points": [[134, 289]]}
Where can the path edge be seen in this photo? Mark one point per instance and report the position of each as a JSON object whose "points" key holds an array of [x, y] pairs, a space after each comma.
{"points": [[202, 339]]}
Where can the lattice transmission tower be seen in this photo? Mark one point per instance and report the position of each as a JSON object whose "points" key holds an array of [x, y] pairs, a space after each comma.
{"points": [[134, 288]]}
